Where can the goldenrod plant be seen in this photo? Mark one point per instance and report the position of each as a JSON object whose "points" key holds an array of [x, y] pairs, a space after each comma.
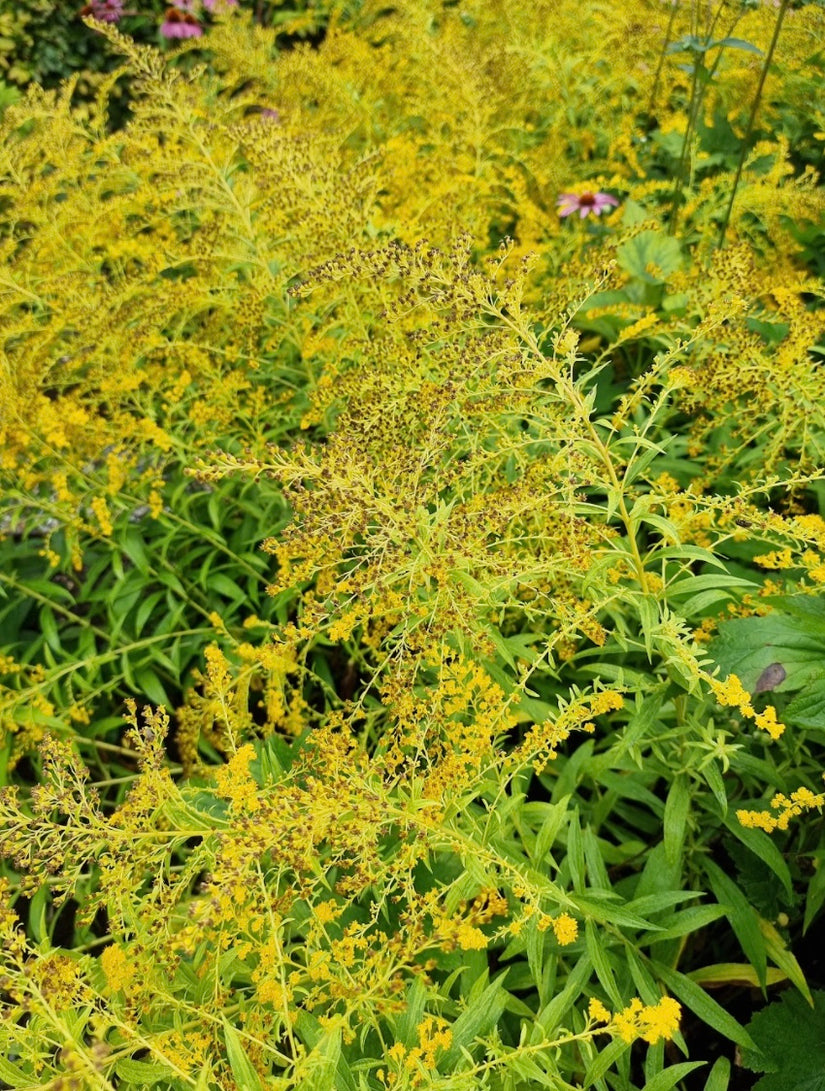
{"points": [[413, 551]]}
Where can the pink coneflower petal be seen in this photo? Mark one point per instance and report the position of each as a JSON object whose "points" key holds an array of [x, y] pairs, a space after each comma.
{"points": [[107, 11], [181, 30], [585, 202], [180, 24]]}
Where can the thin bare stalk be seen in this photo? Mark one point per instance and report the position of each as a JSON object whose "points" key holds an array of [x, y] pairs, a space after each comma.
{"points": [[757, 98], [659, 67]]}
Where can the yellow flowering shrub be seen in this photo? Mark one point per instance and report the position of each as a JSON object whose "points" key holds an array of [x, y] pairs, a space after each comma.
{"points": [[427, 498]]}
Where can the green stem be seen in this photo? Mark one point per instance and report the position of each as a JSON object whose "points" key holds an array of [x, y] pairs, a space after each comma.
{"points": [[752, 119]]}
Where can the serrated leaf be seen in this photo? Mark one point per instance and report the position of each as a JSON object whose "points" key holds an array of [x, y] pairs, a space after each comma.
{"points": [[650, 249], [747, 646], [790, 1044], [807, 709]]}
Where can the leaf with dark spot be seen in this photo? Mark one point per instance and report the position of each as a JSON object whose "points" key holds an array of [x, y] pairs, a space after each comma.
{"points": [[772, 676]]}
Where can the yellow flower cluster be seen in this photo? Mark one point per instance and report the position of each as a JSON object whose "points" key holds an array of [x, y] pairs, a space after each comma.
{"points": [[803, 799], [651, 1023], [565, 928], [234, 782], [434, 1038], [730, 693], [541, 743], [117, 967]]}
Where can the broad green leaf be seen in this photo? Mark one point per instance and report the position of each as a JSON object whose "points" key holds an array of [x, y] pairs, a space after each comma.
{"points": [[719, 1076], [734, 973], [605, 1060], [48, 626], [669, 1077], [762, 846], [226, 586], [815, 898], [648, 904], [144, 611], [690, 585], [131, 542], [556, 815], [204, 1077], [479, 1018], [689, 920], [783, 958], [535, 945], [243, 1072], [650, 256], [594, 942], [12, 1075], [716, 783], [736, 43], [37, 915], [606, 912], [789, 1037], [151, 686], [807, 709], [743, 918], [695, 998], [575, 852], [142, 1073], [594, 858], [321, 1068], [792, 639], [677, 809], [551, 1015]]}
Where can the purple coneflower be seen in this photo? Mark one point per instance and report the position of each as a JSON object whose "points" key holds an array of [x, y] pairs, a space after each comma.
{"points": [[585, 202], [106, 11], [180, 24]]}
